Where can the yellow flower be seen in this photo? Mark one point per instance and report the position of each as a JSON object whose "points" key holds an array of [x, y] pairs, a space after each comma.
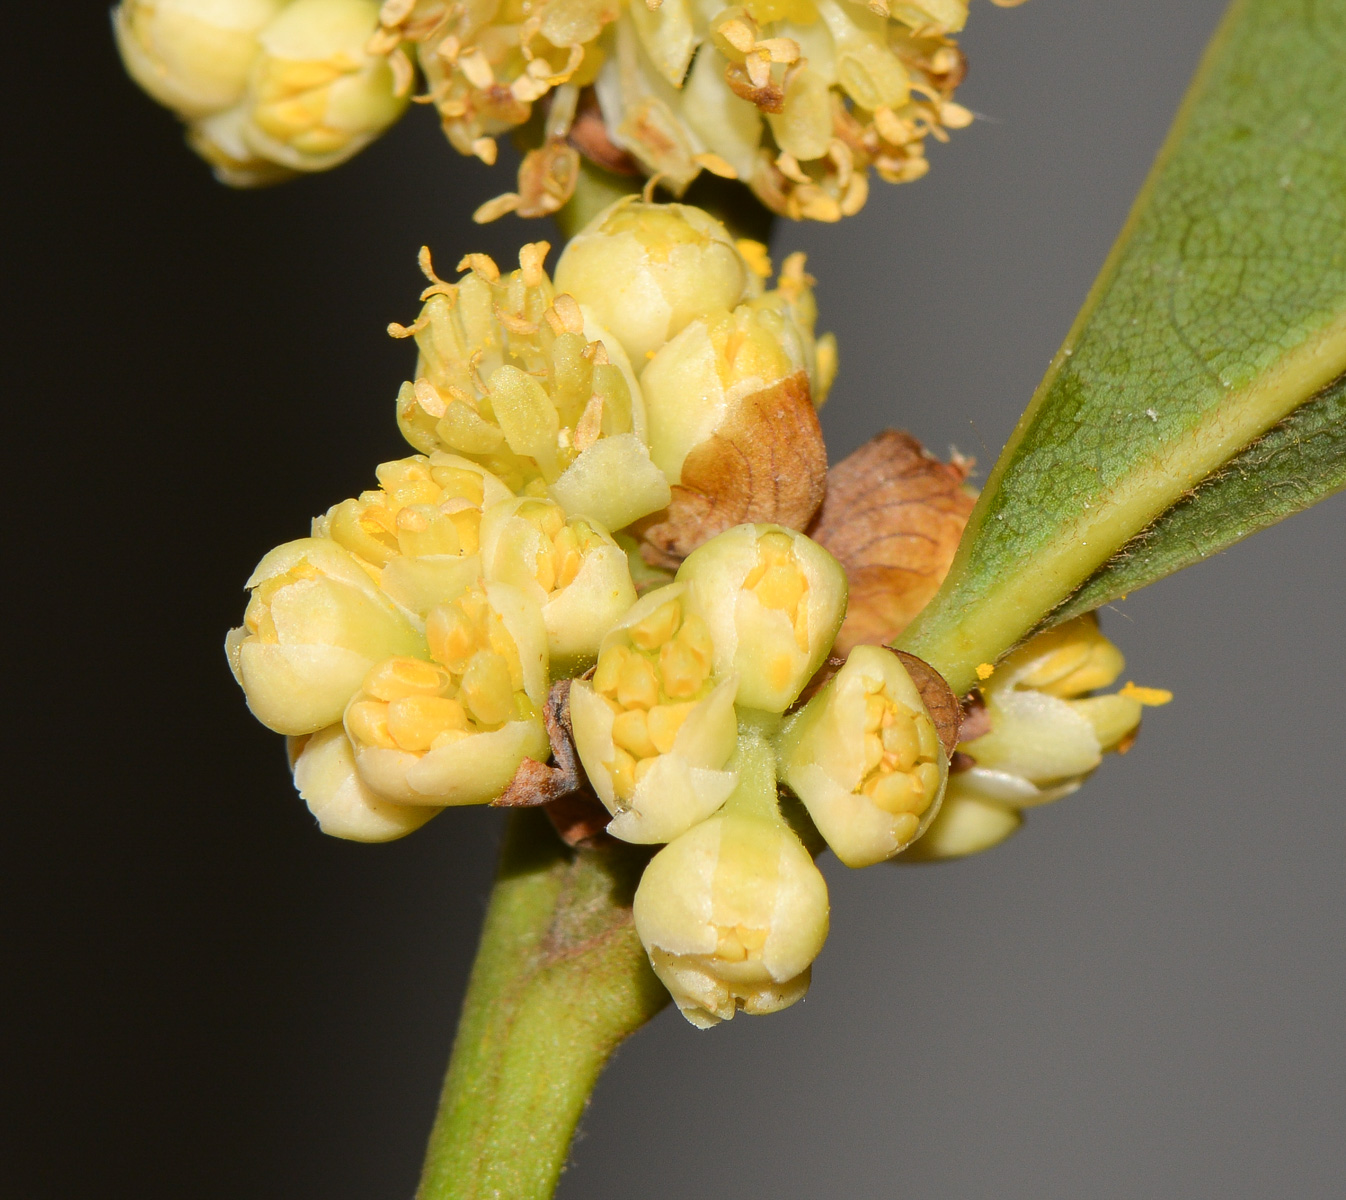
{"points": [[314, 626], [733, 912], [655, 725], [864, 757], [773, 600], [453, 730], [522, 380]]}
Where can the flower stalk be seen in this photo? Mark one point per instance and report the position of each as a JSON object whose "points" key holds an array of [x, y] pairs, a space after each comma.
{"points": [[560, 979]]}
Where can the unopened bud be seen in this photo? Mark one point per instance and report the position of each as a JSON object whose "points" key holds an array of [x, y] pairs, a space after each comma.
{"points": [[864, 757], [420, 531], [571, 568], [1046, 734], [655, 725], [315, 625], [734, 912], [774, 600], [194, 56], [344, 805], [455, 729], [317, 95], [646, 270], [523, 381]]}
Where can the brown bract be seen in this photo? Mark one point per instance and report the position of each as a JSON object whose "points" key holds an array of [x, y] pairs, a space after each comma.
{"points": [[892, 518], [766, 462], [577, 814]]}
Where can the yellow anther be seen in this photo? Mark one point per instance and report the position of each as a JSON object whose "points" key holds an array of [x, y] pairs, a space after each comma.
{"points": [[623, 771], [637, 685], [416, 721], [664, 721], [398, 677], [1152, 697], [902, 743], [683, 667], [459, 484], [467, 523], [608, 672], [487, 691], [658, 627], [985, 670], [367, 721], [631, 732], [451, 636]]}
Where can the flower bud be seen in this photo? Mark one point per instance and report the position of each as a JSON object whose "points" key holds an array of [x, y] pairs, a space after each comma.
{"points": [[733, 912], [646, 270], [655, 725], [521, 380], [315, 625], [728, 400], [420, 532], [573, 570], [317, 96], [345, 807], [966, 823], [194, 56], [865, 759], [1046, 735], [454, 730], [773, 600]]}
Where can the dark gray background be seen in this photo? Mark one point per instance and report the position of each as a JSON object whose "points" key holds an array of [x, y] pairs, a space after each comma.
{"points": [[1140, 994]]}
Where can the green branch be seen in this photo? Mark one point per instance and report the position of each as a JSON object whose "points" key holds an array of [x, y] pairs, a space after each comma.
{"points": [[560, 979]]}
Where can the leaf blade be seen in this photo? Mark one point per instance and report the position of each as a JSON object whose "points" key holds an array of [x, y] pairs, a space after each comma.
{"points": [[1221, 309]]}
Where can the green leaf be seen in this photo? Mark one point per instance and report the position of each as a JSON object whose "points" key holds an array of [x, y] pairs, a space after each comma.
{"points": [[559, 980], [1220, 311], [1301, 461]]}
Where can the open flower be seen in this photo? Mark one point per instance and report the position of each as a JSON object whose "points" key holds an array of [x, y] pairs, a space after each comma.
{"points": [[518, 378], [865, 759], [655, 724], [420, 532], [571, 568], [733, 913], [315, 625], [773, 601], [1047, 730], [453, 730]]}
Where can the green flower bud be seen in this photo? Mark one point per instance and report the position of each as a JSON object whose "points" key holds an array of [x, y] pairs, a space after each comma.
{"points": [[1046, 735], [646, 270], [345, 807], [655, 726], [733, 912], [864, 757], [523, 381], [966, 823], [774, 600], [419, 533], [573, 570], [315, 625], [194, 56], [454, 730]]}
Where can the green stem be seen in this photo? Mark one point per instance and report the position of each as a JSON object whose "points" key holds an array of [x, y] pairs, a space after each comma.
{"points": [[560, 979]]}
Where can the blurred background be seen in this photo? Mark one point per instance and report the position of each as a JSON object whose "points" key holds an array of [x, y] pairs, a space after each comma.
{"points": [[1143, 993]]}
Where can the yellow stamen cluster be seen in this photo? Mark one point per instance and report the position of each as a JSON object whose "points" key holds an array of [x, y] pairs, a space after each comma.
{"points": [[475, 683], [425, 506], [507, 375], [901, 756], [651, 683], [564, 544], [778, 582]]}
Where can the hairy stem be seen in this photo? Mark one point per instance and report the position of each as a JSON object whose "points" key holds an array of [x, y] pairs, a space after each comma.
{"points": [[560, 979]]}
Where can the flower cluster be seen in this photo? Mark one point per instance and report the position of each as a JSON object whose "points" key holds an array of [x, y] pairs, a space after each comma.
{"points": [[580, 514], [798, 99], [268, 88]]}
